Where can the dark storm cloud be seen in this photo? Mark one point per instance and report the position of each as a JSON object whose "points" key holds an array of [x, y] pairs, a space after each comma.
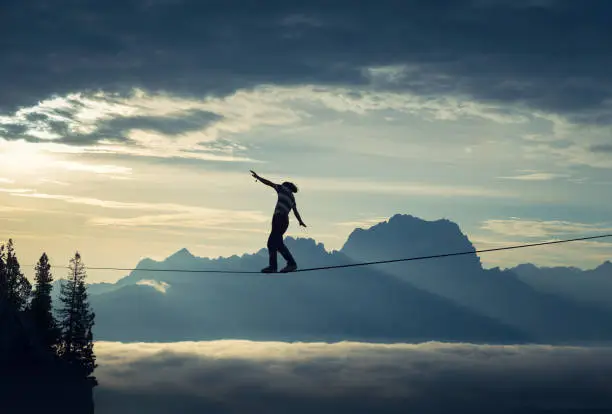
{"points": [[116, 128], [604, 148], [12, 130], [189, 121], [551, 55], [232, 376]]}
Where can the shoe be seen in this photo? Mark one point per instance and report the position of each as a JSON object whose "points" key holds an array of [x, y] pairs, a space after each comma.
{"points": [[289, 268], [268, 269]]}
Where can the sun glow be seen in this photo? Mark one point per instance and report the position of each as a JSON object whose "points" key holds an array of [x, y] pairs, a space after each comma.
{"points": [[19, 157]]}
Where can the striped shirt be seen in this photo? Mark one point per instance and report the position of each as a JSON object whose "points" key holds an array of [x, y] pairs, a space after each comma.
{"points": [[285, 202]]}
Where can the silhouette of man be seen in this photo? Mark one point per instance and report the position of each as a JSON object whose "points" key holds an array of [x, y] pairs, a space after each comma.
{"points": [[280, 223]]}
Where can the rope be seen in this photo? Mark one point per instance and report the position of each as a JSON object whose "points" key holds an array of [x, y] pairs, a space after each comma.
{"points": [[435, 256]]}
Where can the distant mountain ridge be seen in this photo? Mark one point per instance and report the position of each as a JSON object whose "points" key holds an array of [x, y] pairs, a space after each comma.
{"points": [[442, 299], [353, 304], [592, 286]]}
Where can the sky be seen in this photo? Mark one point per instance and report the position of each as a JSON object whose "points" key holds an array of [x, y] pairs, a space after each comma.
{"points": [[128, 130]]}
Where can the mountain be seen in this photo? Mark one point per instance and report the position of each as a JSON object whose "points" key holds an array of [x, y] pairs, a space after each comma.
{"points": [[342, 304], [593, 286], [501, 295]]}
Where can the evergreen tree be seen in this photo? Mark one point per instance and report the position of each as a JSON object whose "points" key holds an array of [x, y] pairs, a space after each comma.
{"points": [[41, 306], [76, 320], [3, 276], [18, 287]]}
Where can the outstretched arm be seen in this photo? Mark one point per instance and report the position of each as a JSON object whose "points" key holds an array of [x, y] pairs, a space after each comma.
{"points": [[263, 180], [297, 214]]}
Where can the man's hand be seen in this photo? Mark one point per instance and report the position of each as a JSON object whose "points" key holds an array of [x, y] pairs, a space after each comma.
{"points": [[263, 180], [302, 224]]}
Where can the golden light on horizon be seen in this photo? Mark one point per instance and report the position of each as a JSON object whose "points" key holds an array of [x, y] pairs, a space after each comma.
{"points": [[21, 157]]}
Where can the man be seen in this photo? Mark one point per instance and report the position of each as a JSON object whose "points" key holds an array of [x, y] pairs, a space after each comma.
{"points": [[280, 223]]}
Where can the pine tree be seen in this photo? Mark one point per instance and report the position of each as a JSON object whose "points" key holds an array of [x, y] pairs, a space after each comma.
{"points": [[41, 308], [76, 320], [18, 287], [3, 275]]}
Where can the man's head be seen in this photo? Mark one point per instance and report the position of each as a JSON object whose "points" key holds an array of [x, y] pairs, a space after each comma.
{"points": [[290, 186]]}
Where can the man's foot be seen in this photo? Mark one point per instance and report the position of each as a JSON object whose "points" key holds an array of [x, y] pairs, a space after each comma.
{"points": [[289, 268], [268, 269]]}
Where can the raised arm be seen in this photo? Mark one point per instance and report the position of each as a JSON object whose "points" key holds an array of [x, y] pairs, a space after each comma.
{"points": [[263, 180], [297, 215]]}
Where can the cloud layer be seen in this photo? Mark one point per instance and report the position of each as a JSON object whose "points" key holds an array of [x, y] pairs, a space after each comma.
{"points": [[544, 228], [276, 377]]}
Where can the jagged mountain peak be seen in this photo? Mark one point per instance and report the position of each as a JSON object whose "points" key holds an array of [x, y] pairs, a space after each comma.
{"points": [[182, 254], [605, 266], [525, 267], [402, 223], [404, 235], [306, 244]]}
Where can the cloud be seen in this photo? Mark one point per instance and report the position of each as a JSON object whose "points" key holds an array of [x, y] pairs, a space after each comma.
{"points": [[79, 119], [160, 286], [576, 153], [514, 231], [146, 125], [60, 117], [115, 128], [167, 214], [18, 157], [276, 377], [445, 47], [564, 144], [583, 254], [536, 177], [15, 190], [398, 188], [363, 101], [10, 209], [364, 223], [55, 182], [21, 158], [193, 219], [121, 205], [542, 228], [606, 148], [94, 168], [94, 124]]}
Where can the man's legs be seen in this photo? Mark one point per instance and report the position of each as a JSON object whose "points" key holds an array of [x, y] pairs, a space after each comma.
{"points": [[274, 241], [284, 251], [272, 250], [275, 244]]}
